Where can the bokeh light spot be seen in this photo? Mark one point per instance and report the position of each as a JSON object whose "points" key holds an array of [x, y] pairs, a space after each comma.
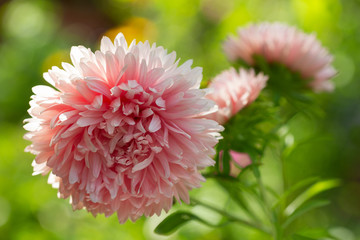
{"points": [[342, 233], [5, 210], [347, 69], [24, 19], [137, 28], [55, 59], [54, 216], [317, 15]]}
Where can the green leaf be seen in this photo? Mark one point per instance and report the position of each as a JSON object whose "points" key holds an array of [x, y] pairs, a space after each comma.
{"points": [[300, 237], [246, 169], [272, 192], [256, 170], [312, 191], [172, 222], [236, 191], [316, 233], [304, 209], [293, 189], [249, 131]]}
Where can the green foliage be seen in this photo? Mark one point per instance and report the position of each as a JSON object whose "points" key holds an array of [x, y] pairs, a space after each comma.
{"points": [[175, 220], [325, 139], [172, 222], [298, 212], [254, 130], [317, 233], [248, 131], [305, 182], [300, 237], [315, 189]]}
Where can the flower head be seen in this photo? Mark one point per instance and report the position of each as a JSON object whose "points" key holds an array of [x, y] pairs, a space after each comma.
{"points": [[278, 42], [232, 91], [121, 131]]}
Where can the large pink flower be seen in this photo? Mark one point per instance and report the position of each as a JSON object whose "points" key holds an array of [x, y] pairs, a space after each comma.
{"points": [[278, 42], [121, 132], [232, 91]]}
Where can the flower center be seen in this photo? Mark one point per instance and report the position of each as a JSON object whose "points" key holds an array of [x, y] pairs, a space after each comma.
{"points": [[129, 125]]}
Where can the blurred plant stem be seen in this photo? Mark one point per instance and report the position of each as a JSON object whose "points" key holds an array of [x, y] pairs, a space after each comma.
{"points": [[276, 227], [231, 217]]}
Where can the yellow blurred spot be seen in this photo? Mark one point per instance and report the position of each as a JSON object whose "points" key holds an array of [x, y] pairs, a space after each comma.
{"points": [[137, 28], [56, 59], [239, 16], [317, 15]]}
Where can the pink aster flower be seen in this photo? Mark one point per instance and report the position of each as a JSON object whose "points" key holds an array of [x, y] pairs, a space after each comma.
{"points": [[278, 42], [232, 91], [120, 131]]}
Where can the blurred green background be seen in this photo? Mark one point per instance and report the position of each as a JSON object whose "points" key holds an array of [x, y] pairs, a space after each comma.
{"points": [[37, 34]]}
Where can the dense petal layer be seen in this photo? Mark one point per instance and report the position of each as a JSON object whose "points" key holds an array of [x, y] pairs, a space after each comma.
{"points": [[120, 131]]}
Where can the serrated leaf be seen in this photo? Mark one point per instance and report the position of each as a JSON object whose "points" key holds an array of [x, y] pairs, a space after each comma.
{"points": [[172, 222], [304, 209], [312, 191]]}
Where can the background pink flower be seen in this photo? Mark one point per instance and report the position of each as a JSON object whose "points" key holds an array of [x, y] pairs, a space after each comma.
{"points": [[232, 91], [278, 42], [241, 159], [121, 132], [237, 162]]}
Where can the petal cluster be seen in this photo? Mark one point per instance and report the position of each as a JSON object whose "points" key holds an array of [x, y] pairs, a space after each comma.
{"points": [[278, 42], [232, 90], [120, 130]]}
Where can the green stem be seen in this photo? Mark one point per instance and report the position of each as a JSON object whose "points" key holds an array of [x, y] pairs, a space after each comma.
{"points": [[276, 232], [284, 178], [231, 217], [282, 205], [248, 211], [256, 172], [262, 192]]}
